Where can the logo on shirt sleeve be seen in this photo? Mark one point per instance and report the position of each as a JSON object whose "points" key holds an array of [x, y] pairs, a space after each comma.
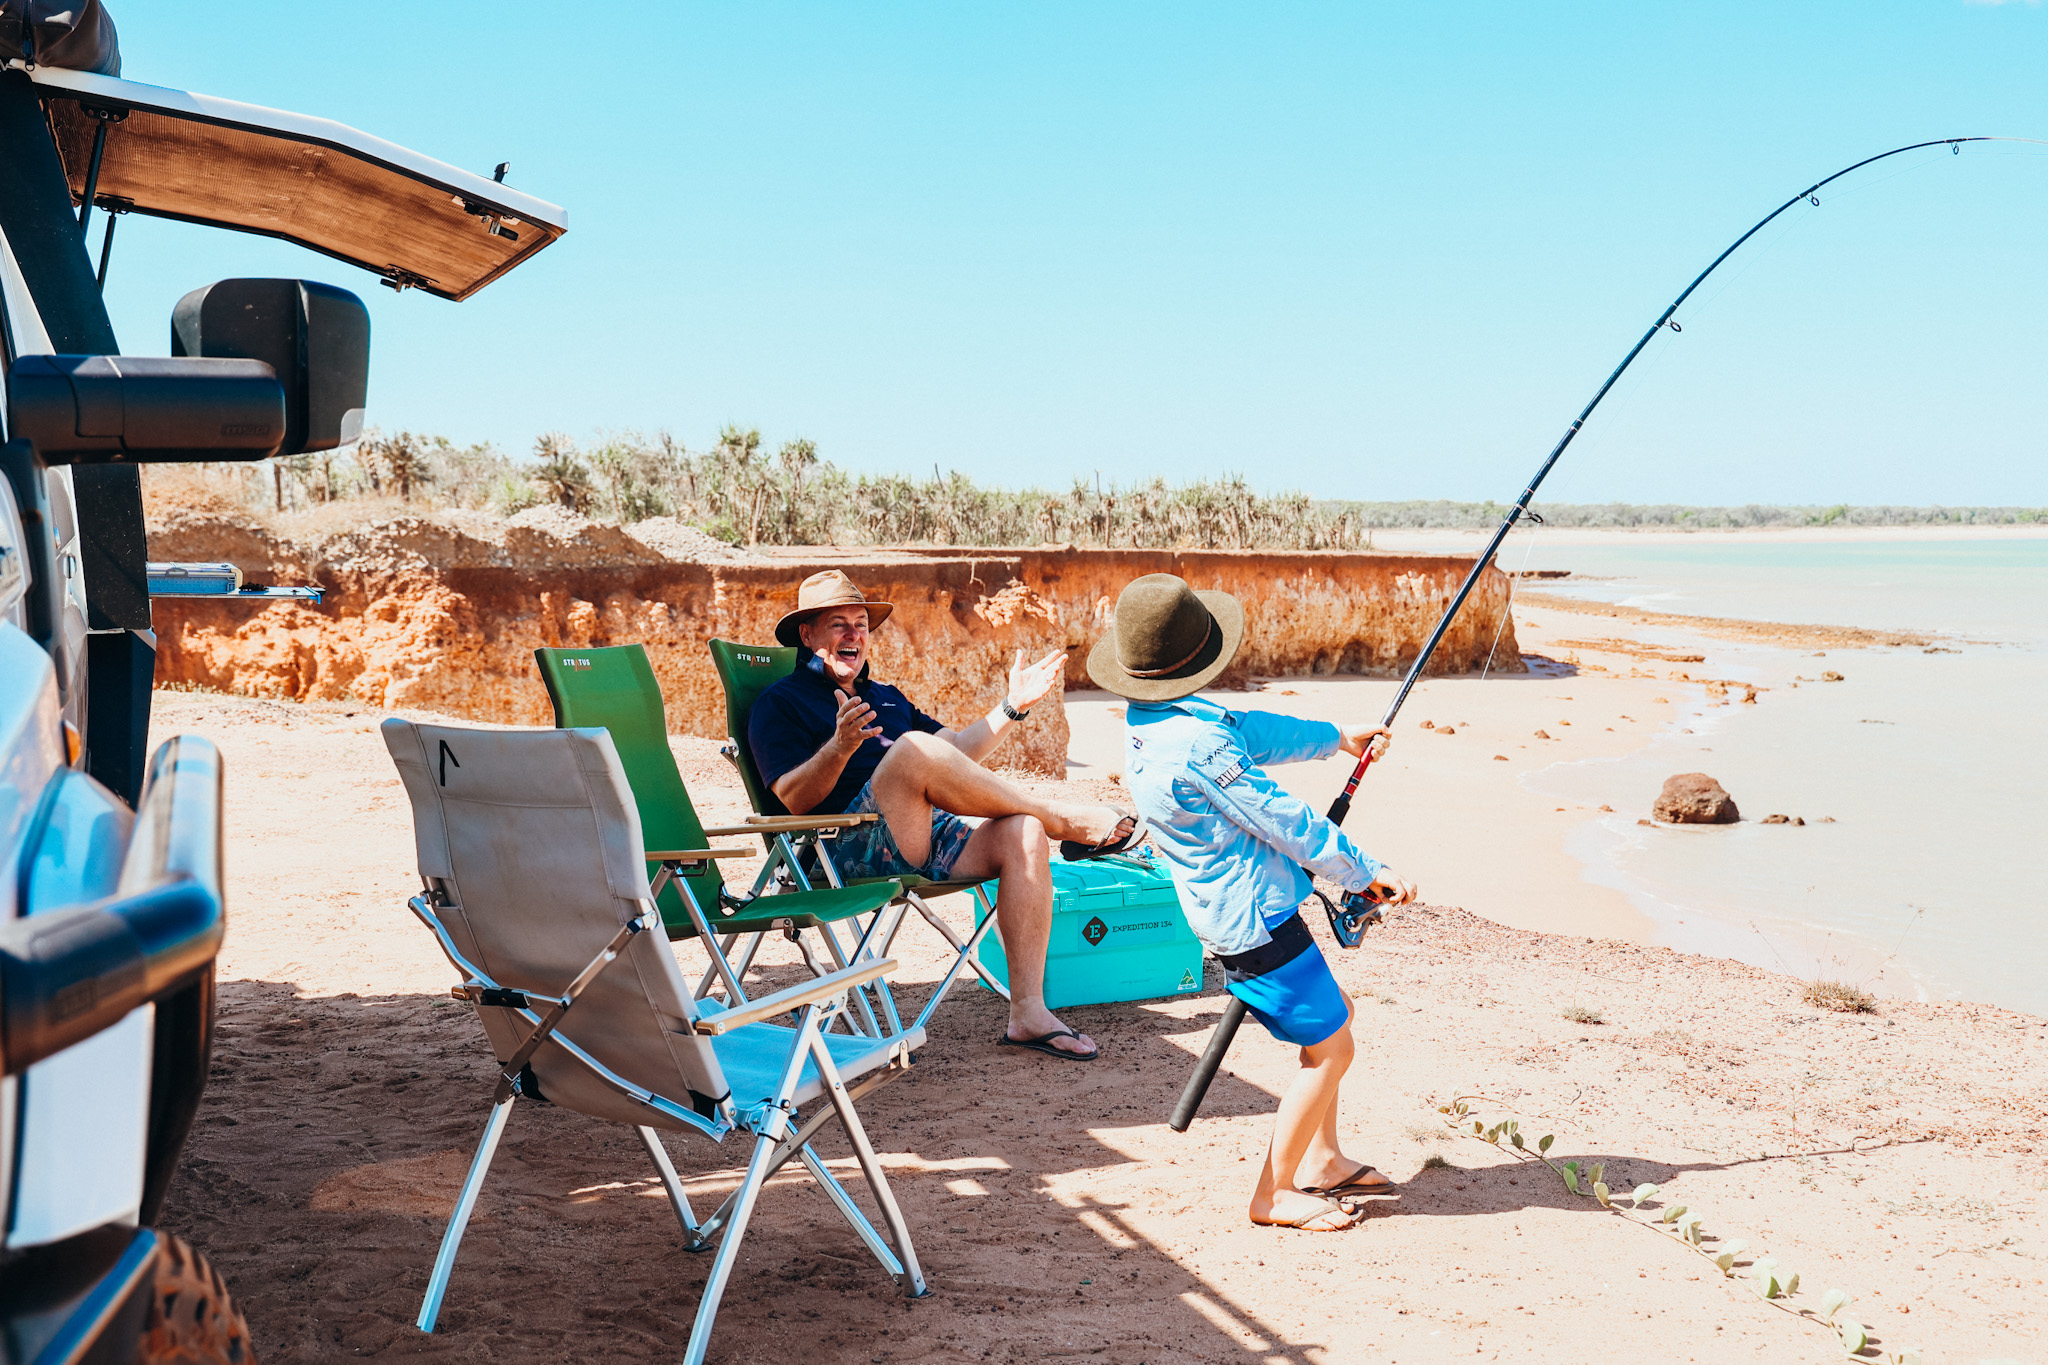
{"points": [[1230, 774]]}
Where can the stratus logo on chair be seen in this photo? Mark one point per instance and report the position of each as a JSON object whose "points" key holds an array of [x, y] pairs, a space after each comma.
{"points": [[576, 663], [754, 658]]}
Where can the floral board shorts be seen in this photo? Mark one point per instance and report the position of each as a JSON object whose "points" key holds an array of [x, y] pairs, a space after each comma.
{"points": [[870, 850]]}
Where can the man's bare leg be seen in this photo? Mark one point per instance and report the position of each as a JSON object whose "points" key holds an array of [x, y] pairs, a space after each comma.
{"points": [[1307, 1122], [1014, 848], [920, 772]]}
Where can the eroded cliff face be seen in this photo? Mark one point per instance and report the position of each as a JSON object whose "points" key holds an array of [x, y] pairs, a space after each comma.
{"points": [[443, 615]]}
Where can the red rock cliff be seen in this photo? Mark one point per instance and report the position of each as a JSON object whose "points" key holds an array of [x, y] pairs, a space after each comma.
{"points": [[445, 615]]}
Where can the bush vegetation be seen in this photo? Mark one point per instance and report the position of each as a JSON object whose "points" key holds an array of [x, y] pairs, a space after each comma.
{"points": [[742, 493]]}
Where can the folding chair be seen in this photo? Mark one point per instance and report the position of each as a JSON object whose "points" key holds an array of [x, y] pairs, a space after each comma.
{"points": [[614, 688], [530, 849], [746, 671]]}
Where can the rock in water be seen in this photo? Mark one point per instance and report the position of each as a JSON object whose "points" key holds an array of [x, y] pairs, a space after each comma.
{"points": [[1695, 799]]}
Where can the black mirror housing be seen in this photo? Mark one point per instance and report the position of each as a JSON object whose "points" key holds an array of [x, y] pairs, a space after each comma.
{"points": [[315, 336], [95, 409]]}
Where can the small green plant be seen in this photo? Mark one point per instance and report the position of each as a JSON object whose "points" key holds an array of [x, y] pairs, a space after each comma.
{"points": [[1434, 1162], [1584, 1014], [1839, 995], [1774, 1284]]}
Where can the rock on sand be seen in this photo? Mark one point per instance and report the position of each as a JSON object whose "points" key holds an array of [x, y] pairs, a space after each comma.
{"points": [[1695, 799]]}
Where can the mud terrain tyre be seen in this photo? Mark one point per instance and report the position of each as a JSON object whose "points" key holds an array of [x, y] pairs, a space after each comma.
{"points": [[192, 1321]]}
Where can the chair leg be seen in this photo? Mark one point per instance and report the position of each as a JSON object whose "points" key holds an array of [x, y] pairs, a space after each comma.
{"points": [[912, 1278], [465, 1203], [672, 1183], [860, 996], [851, 1212], [864, 950], [964, 958], [768, 1134]]}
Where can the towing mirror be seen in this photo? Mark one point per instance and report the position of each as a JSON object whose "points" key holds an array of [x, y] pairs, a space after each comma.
{"points": [[92, 409], [315, 336]]}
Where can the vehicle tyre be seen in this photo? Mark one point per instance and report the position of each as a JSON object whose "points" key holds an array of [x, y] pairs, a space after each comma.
{"points": [[192, 1321]]}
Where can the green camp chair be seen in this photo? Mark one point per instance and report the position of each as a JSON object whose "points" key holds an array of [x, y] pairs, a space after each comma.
{"points": [[615, 689], [746, 671]]}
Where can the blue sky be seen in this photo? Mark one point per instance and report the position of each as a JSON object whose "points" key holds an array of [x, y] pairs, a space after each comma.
{"points": [[1367, 250]]}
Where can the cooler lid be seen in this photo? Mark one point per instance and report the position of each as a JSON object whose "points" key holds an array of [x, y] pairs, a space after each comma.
{"points": [[418, 222]]}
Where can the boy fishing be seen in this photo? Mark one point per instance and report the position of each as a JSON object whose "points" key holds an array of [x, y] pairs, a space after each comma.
{"points": [[1236, 845]]}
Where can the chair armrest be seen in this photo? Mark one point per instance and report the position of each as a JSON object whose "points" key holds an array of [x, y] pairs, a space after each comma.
{"points": [[763, 1007], [695, 855], [791, 824]]}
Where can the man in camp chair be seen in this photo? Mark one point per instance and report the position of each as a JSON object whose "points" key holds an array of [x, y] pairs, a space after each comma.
{"points": [[828, 739]]}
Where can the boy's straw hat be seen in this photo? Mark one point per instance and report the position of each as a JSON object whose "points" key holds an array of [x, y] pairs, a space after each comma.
{"points": [[821, 592], [1169, 641]]}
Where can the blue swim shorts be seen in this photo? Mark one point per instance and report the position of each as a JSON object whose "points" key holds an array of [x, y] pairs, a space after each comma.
{"points": [[870, 850], [1288, 986]]}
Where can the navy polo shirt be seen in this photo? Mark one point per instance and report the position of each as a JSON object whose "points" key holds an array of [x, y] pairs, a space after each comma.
{"points": [[794, 718]]}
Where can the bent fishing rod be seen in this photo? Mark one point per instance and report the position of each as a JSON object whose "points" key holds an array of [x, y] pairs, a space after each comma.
{"points": [[1360, 910]]}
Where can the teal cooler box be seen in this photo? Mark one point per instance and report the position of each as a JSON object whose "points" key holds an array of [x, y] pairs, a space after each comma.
{"points": [[1117, 934]]}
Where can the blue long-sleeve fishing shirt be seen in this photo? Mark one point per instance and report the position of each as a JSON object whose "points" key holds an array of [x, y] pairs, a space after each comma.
{"points": [[1235, 842]]}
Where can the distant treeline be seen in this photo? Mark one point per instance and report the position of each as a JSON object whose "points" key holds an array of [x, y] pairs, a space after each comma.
{"points": [[744, 494]]}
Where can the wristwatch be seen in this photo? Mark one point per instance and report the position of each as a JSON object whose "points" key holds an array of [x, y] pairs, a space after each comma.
{"points": [[1012, 712]]}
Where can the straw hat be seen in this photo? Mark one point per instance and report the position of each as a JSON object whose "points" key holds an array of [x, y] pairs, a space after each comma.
{"points": [[1169, 640], [823, 591]]}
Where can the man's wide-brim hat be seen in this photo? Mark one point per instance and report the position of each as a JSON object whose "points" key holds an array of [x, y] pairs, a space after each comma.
{"points": [[821, 592], [1169, 641]]}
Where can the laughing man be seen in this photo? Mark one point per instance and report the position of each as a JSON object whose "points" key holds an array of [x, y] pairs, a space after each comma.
{"points": [[829, 740]]}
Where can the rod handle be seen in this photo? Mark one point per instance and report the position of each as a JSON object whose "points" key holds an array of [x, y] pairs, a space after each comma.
{"points": [[1205, 1067]]}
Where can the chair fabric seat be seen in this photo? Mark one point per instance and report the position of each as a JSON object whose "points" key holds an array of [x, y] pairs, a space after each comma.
{"points": [[753, 1057], [797, 909]]}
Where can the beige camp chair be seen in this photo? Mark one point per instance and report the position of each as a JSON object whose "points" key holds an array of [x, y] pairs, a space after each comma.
{"points": [[530, 849]]}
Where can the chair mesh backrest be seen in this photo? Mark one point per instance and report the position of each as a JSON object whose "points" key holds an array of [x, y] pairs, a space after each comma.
{"points": [[615, 688], [533, 836], [746, 671]]}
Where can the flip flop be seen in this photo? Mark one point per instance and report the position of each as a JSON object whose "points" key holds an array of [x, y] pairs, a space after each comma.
{"points": [[1305, 1224], [1353, 1185], [1074, 851], [1043, 1043]]}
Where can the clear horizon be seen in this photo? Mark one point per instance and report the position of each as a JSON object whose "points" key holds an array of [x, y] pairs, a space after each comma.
{"points": [[1371, 254]]}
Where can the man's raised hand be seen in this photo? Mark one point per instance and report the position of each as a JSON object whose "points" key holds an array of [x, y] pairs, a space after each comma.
{"points": [[852, 729], [1029, 683]]}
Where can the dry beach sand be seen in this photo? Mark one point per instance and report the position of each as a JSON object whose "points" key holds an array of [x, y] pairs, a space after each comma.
{"points": [[1896, 1154]]}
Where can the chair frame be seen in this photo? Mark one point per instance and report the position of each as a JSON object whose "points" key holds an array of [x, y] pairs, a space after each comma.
{"points": [[780, 1133]]}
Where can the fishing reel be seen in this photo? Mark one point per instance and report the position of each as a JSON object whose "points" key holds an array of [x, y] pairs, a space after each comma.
{"points": [[1362, 910]]}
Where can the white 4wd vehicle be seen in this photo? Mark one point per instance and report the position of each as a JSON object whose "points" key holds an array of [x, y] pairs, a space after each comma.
{"points": [[111, 904]]}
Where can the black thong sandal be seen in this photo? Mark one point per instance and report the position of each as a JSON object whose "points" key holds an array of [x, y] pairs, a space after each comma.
{"points": [[1043, 1043], [1354, 1185], [1338, 1216], [1074, 851]]}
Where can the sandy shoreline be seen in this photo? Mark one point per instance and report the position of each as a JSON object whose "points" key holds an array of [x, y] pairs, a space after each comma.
{"points": [[1896, 1155]]}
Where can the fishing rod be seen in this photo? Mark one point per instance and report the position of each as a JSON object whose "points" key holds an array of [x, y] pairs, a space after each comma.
{"points": [[1360, 910]]}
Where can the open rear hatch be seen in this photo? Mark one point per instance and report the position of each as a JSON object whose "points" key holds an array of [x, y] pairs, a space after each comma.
{"points": [[419, 223]]}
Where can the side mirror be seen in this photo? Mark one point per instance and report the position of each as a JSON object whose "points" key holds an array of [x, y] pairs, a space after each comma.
{"points": [[90, 409], [316, 337]]}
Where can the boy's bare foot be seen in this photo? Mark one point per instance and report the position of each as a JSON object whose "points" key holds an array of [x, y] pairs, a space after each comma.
{"points": [[1296, 1209]]}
